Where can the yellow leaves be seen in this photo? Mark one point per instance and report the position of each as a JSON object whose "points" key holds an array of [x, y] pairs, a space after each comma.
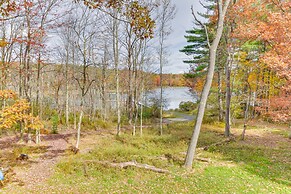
{"points": [[137, 15], [10, 115], [252, 80], [7, 6], [3, 43], [7, 94], [140, 20], [18, 112], [33, 123]]}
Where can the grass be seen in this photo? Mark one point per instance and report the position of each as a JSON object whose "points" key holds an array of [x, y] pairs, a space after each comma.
{"points": [[8, 158], [237, 167]]}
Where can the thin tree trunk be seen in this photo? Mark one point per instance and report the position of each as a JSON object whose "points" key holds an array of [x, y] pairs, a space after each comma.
{"points": [[116, 65], [37, 136], [79, 128], [220, 105], [103, 84], [246, 116], [38, 82], [141, 109], [227, 100], [67, 90], [21, 132], [161, 99], [204, 95]]}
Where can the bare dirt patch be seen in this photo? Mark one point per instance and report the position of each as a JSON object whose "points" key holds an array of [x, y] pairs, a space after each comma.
{"points": [[39, 166]]}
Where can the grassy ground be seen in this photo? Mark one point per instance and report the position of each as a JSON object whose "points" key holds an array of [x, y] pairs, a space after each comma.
{"points": [[260, 164]]}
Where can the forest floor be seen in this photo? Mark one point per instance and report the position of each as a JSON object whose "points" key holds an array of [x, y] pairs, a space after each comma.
{"points": [[259, 164]]}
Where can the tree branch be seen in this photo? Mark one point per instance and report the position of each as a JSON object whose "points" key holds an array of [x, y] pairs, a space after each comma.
{"points": [[203, 25], [125, 165]]}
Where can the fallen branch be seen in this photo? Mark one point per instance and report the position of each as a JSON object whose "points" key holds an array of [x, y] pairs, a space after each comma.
{"points": [[197, 158], [124, 165], [203, 159]]}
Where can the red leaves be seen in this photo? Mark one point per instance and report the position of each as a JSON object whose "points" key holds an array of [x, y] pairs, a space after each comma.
{"points": [[6, 7]]}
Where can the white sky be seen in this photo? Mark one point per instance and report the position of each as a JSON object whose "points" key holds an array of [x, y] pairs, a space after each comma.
{"points": [[176, 41]]}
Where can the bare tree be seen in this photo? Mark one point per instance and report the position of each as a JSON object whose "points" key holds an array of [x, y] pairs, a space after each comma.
{"points": [[115, 45], [84, 29], [165, 14]]}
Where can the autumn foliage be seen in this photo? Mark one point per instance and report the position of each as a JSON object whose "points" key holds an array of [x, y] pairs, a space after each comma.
{"points": [[18, 112], [133, 12], [269, 22]]}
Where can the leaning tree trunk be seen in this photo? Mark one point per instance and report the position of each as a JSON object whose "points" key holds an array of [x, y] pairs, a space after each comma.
{"points": [[204, 95]]}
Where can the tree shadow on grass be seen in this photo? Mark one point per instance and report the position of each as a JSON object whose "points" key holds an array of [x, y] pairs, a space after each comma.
{"points": [[273, 163]]}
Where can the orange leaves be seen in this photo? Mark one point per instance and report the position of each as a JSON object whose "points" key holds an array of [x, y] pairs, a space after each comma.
{"points": [[137, 15], [32, 122], [27, 3], [7, 6], [269, 22], [141, 21], [3, 43], [7, 94], [279, 108], [10, 115]]}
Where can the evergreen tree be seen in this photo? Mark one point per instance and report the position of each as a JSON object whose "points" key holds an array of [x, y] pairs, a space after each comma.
{"points": [[198, 44]]}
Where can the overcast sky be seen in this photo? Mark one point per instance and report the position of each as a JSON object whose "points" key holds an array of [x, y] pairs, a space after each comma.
{"points": [[182, 22]]}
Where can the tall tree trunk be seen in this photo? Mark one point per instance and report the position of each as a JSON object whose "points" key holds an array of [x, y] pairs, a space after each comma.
{"points": [[103, 84], [161, 92], [141, 106], [228, 96], [38, 81], [222, 9], [116, 66], [67, 89]]}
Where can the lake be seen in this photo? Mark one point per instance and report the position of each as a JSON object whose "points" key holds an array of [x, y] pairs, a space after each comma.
{"points": [[173, 96]]}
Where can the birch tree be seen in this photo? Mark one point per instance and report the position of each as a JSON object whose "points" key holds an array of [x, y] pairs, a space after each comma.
{"points": [[165, 14], [222, 10]]}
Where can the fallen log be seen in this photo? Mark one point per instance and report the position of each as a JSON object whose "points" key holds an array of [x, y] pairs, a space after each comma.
{"points": [[124, 165]]}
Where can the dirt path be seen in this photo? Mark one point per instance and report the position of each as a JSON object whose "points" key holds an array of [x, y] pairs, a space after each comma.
{"points": [[41, 166]]}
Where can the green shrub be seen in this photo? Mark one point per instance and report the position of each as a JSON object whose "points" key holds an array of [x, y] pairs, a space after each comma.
{"points": [[187, 106], [55, 122]]}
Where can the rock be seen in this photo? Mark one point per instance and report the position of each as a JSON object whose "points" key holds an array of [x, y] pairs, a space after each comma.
{"points": [[22, 157]]}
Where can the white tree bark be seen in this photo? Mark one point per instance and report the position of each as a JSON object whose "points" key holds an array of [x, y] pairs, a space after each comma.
{"points": [[222, 9]]}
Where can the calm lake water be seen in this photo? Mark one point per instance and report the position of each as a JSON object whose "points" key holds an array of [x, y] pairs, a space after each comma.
{"points": [[173, 96]]}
